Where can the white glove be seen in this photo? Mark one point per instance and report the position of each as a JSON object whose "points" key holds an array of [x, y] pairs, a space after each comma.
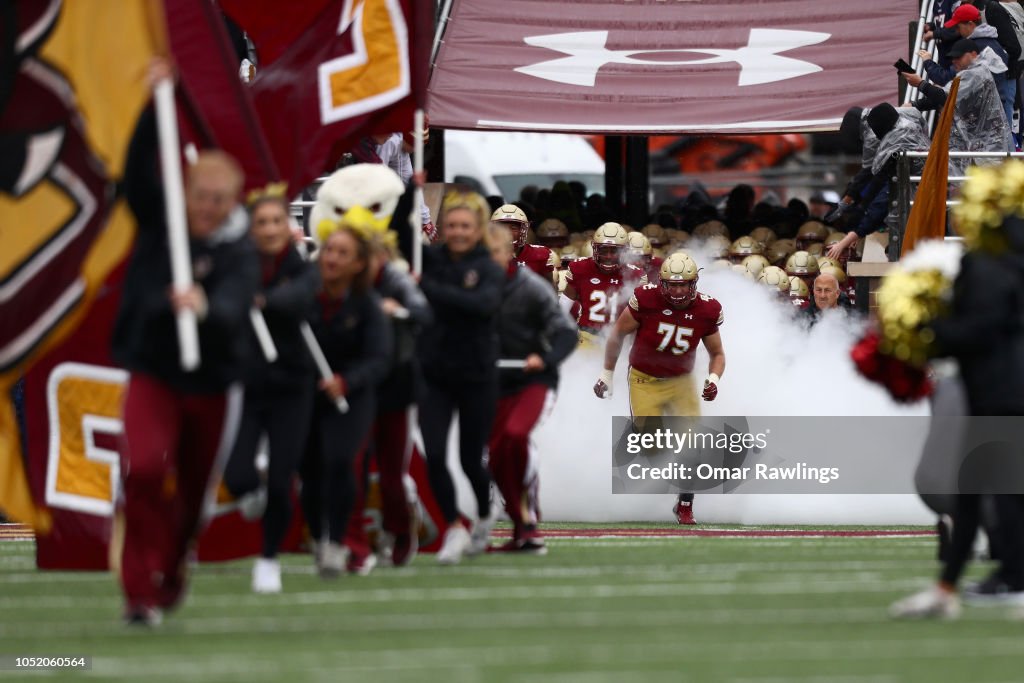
{"points": [[603, 386]]}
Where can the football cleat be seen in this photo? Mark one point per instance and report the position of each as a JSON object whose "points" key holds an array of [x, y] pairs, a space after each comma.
{"points": [[684, 513], [360, 565], [481, 536]]}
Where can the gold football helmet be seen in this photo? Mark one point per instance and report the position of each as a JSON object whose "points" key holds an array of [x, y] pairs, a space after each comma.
{"points": [[801, 264], [655, 234], [743, 247], [711, 229], [679, 275], [552, 233], [775, 278], [755, 263], [608, 243], [764, 235], [512, 217]]}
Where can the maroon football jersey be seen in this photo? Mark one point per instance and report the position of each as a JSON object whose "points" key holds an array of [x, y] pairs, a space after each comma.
{"points": [[666, 343], [535, 257], [601, 295]]}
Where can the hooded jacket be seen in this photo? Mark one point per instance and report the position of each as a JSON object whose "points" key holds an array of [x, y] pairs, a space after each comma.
{"points": [[984, 330]]}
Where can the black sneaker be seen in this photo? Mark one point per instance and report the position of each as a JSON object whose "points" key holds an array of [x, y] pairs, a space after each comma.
{"points": [[994, 591]]}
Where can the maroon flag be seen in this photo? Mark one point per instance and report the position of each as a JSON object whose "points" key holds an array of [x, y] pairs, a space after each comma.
{"points": [[215, 105], [327, 78]]}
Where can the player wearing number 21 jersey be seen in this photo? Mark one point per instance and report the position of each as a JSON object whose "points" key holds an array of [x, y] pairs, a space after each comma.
{"points": [[669, 320], [600, 285]]}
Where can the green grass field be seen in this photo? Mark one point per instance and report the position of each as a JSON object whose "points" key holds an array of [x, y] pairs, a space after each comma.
{"points": [[750, 610]]}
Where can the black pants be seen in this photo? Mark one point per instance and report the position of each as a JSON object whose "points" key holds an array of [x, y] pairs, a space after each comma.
{"points": [[1006, 537], [328, 473], [476, 403], [284, 416]]}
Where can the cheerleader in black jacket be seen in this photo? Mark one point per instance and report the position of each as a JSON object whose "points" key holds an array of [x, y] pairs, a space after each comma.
{"points": [[356, 339], [458, 352], [278, 395]]}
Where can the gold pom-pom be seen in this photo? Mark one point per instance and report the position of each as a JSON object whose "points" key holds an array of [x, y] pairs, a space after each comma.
{"points": [[989, 196], [906, 303]]}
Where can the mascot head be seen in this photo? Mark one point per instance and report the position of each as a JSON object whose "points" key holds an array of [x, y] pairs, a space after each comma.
{"points": [[361, 197]]}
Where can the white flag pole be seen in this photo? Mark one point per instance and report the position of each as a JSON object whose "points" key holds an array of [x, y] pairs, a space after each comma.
{"points": [[415, 219], [259, 326], [321, 361], [174, 195]]}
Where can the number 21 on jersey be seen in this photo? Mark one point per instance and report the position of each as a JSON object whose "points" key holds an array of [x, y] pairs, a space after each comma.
{"points": [[675, 339]]}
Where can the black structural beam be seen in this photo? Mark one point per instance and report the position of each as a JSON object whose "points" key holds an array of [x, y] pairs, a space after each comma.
{"points": [[613, 178], [637, 181]]}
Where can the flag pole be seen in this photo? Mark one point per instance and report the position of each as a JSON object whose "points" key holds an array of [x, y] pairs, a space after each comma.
{"points": [[177, 231], [415, 219]]}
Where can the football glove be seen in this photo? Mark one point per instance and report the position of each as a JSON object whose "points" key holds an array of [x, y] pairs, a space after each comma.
{"points": [[603, 386], [710, 387]]}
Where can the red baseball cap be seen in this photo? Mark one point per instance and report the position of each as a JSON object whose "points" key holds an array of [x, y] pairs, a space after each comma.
{"points": [[964, 13]]}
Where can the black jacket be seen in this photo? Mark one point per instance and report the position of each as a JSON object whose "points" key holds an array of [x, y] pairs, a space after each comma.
{"points": [[531, 321], [289, 286], [355, 337], [462, 342], [398, 390], [145, 337], [984, 330]]}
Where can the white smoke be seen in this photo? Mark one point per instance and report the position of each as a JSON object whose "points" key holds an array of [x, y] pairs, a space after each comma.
{"points": [[775, 366]]}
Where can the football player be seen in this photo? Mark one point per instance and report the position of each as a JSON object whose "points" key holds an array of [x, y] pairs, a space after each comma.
{"points": [[533, 256], [596, 283], [669, 320], [640, 253]]}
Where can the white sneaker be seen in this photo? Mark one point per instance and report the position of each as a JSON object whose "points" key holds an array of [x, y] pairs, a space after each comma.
{"points": [[456, 542], [332, 559], [266, 576], [253, 504], [481, 536], [931, 603]]}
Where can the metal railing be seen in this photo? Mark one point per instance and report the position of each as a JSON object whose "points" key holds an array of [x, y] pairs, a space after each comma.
{"points": [[906, 184]]}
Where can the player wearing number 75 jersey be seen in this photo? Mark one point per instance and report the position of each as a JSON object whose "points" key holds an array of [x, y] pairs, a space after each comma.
{"points": [[669, 320], [600, 285]]}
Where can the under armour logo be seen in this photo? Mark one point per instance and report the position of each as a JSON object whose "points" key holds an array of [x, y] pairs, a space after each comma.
{"points": [[614, 282], [688, 316], [760, 61]]}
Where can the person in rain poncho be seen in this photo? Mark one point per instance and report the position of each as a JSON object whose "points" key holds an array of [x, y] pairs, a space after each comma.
{"points": [[893, 131]]}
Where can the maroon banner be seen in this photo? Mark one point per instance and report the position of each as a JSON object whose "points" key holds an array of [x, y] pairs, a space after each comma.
{"points": [[353, 68], [649, 66], [218, 103]]}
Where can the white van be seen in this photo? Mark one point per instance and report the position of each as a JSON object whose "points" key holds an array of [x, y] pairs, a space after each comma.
{"points": [[499, 163]]}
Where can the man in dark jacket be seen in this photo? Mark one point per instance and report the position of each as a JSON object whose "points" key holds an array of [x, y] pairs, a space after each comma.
{"points": [[534, 328], [179, 425]]}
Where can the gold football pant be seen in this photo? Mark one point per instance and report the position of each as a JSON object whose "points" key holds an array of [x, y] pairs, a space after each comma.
{"points": [[657, 396]]}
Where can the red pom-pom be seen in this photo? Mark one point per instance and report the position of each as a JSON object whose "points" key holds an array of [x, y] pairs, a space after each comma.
{"points": [[904, 382]]}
